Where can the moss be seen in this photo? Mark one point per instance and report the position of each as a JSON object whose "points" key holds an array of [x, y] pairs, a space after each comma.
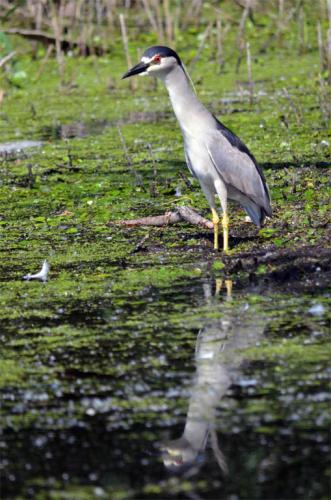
{"points": [[107, 344], [291, 351], [11, 374]]}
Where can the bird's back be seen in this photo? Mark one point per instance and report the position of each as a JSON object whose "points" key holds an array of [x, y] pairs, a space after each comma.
{"points": [[237, 143]]}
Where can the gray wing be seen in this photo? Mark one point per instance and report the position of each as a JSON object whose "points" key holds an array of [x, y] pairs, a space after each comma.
{"points": [[188, 163], [238, 167]]}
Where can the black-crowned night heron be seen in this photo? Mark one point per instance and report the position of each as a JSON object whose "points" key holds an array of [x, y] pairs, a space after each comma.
{"points": [[220, 161]]}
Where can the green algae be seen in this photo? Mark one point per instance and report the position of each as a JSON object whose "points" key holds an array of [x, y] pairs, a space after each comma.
{"points": [[100, 357], [11, 374]]}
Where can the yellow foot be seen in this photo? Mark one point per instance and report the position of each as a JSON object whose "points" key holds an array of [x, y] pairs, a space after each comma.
{"points": [[216, 220]]}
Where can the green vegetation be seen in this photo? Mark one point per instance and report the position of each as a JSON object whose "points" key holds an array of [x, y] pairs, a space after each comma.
{"points": [[106, 346]]}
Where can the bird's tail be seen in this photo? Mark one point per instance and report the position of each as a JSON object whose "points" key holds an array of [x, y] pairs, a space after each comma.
{"points": [[257, 214]]}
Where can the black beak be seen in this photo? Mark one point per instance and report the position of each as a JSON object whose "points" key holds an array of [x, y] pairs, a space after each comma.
{"points": [[138, 68]]}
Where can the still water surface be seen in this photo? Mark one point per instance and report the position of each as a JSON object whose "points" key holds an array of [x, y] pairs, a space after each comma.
{"points": [[201, 390]]}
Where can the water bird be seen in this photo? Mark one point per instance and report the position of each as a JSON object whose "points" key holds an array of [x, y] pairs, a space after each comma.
{"points": [[219, 358], [219, 160]]}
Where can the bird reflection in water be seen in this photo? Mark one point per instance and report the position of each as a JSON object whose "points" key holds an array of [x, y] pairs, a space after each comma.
{"points": [[218, 356]]}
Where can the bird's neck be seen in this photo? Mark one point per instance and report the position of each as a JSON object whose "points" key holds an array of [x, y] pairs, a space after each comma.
{"points": [[185, 103]]}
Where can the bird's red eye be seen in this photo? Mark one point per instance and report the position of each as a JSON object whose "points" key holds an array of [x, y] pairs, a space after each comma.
{"points": [[157, 59]]}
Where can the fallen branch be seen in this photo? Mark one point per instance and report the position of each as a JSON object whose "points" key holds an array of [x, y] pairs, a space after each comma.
{"points": [[157, 220], [190, 215], [181, 214], [65, 44]]}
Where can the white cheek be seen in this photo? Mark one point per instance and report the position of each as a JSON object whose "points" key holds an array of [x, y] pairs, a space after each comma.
{"points": [[155, 68], [151, 70]]}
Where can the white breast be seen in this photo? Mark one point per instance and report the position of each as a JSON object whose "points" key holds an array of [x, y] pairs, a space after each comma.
{"points": [[200, 160]]}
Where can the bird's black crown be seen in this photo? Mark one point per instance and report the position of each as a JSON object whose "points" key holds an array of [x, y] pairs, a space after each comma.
{"points": [[162, 51]]}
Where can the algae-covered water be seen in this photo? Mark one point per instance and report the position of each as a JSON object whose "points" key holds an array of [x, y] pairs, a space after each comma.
{"points": [[147, 365], [126, 394]]}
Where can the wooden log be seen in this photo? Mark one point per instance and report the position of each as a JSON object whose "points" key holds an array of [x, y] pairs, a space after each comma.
{"points": [[155, 220], [181, 214], [194, 218]]}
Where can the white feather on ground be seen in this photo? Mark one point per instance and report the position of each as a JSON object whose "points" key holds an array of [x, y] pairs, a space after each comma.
{"points": [[42, 275]]}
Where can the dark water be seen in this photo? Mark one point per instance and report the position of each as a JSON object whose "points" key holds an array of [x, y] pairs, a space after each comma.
{"points": [[201, 390], [95, 127], [17, 147]]}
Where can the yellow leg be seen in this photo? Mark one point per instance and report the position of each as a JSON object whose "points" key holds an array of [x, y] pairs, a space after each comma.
{"points": [[216, 220], [225, 226], [218, 288], [228, 286]]}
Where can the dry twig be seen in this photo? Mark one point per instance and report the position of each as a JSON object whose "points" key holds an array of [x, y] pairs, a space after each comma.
{"points": [[133, 82], [249, 71], [7, 58]]}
